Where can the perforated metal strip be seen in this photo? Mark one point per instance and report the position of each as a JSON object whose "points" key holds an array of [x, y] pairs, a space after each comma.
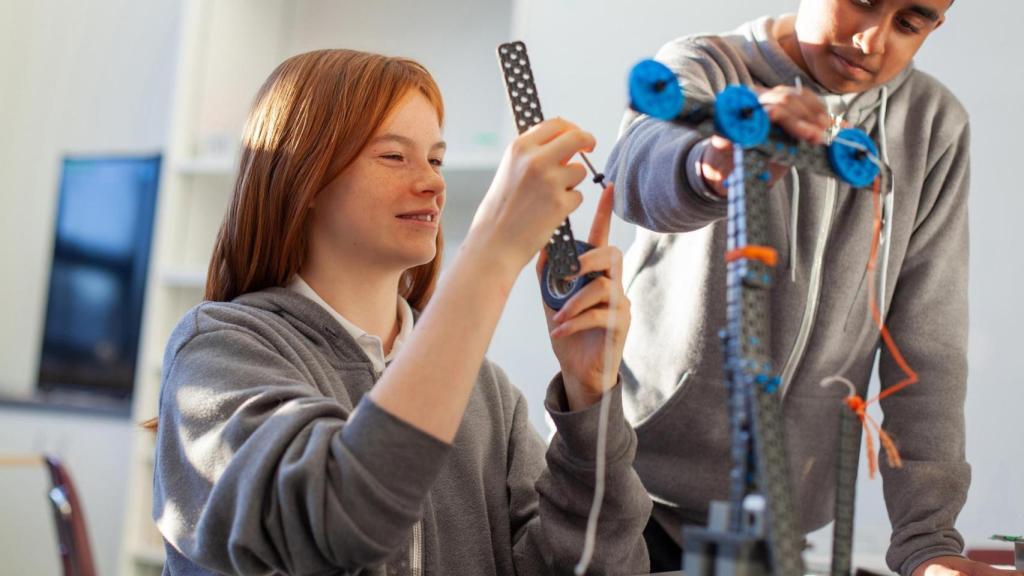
{"points": [[522, 96], [846, 486]]}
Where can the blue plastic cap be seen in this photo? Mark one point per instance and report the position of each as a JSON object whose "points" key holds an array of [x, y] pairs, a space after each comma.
{"points": [[654, 90], [740, 117], [853, 162]]}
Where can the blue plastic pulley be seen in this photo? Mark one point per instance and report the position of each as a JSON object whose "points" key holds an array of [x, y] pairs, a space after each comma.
{"points": [[740, 117], [654, 90], [852, 155], [557, 291]]}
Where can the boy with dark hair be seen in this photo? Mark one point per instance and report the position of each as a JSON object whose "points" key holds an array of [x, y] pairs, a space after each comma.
{"points": [[834, 62]]}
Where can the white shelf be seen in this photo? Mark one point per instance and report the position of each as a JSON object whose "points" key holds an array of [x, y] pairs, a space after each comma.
{"points": [[472, 162], [206, 166]]}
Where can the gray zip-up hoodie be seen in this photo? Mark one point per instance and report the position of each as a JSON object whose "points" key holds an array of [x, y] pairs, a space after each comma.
{"points": [[271, 459], [675, 275]]}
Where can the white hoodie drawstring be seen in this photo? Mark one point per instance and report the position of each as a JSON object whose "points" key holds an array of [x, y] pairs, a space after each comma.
{"points": [[794, 218], [888, 205]]}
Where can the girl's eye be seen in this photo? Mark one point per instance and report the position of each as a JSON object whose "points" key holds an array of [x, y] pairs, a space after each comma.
{"points": [[397, 157], [437, 162]]}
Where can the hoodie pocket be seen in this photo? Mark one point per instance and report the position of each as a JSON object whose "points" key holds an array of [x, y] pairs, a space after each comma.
{"points": [[683, 447], [668, 406]]}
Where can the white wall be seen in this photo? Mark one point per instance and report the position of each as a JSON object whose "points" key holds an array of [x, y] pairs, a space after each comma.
{"points": [[75, 77]]}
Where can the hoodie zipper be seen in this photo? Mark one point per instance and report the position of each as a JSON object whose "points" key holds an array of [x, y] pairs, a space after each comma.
{"points": [[416, 550], [814, 290]]}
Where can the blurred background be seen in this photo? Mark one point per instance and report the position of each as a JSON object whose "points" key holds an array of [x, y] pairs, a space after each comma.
{"points": [[119, 126]]}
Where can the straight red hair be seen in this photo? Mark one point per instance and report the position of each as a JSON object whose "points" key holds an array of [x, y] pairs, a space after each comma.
{"points": [[310, 120]]}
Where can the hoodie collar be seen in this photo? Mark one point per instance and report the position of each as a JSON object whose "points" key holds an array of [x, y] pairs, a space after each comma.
{"points": [[309, 318], [371, 344]]}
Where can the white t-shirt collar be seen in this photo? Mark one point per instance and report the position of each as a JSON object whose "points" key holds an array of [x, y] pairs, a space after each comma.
{"points": [[372, 345]]}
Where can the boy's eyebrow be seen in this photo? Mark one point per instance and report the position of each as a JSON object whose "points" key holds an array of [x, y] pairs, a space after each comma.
{"points": [[439, 145], [926, 12]]}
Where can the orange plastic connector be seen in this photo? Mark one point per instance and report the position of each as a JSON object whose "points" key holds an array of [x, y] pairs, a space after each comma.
{"points": [[764, 254]]}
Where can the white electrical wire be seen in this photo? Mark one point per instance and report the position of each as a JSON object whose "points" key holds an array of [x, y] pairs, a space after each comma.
{"points": [[602, 440]]}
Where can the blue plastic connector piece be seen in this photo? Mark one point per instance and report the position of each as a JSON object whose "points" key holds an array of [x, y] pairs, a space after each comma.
{"points": [[740, 117], [853, 155], [654, 90]]}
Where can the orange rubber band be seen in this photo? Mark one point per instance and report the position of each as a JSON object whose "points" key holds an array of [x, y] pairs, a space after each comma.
{"points": [[764, 254], [856, 403]]}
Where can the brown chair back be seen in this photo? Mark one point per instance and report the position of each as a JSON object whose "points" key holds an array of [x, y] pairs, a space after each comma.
{"points": [[72, 535]]}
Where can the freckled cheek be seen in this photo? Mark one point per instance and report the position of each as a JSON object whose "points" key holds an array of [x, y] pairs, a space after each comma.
{"points": [[382, 197]]}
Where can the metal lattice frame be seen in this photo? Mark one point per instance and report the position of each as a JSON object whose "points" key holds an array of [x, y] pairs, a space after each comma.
{"points": [[758, 451]]}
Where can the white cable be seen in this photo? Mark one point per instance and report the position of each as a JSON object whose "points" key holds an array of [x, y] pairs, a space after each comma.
{"points": [[602, 442], [839, 380]]}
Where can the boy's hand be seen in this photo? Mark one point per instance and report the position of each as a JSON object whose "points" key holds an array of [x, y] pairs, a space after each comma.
{"points": [[959, 566], [801, 113]]}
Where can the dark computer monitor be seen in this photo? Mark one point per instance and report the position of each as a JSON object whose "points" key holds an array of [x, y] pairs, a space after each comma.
{"points": [[98, 278]]}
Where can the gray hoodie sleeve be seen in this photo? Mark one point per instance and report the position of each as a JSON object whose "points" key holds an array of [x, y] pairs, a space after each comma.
{"points": [[928, 318], [549, 506], [257, 472], [654, 163]]}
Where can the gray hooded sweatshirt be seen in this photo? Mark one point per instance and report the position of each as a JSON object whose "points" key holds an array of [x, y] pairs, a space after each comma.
{"points": [[271, 459], [675, 275]]}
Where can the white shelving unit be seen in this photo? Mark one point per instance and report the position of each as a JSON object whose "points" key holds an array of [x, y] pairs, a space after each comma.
{"points": [[227, 49]]}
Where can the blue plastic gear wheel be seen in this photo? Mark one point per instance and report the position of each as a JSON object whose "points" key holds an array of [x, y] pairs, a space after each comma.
{"points": [[654, 90], [557, 291], [853, 162], [740, 117]]}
